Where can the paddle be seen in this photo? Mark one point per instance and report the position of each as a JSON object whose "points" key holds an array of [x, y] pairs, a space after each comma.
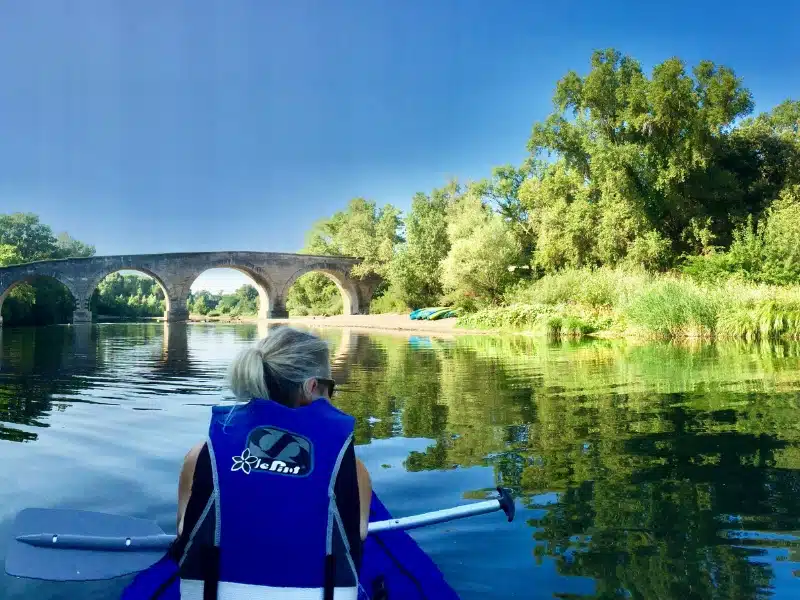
{"points": [[73, 545]]}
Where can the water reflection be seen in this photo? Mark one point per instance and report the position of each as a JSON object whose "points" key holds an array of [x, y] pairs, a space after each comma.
{"points": [[643, 471]]}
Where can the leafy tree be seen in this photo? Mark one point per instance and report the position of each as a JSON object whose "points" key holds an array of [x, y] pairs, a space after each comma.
{"points": [[23, 238], [200, 306], [415, 273], [503, 190], [363, 231], [69, 247], [782, 239], [647, 147], [482, 248], [32, 239], [314, 294], [244, 301], [128, 296], [9, 255]]}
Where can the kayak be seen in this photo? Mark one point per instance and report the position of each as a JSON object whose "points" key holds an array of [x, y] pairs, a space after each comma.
{"points": [[394, 568], [446, 314], [424, 313], [442, 314]]}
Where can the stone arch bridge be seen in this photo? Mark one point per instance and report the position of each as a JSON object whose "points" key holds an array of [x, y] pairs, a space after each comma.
{"points": [[273, 275]]}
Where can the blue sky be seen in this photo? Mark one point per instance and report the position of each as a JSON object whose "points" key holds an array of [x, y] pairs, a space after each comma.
{"points": [[180, 125]]}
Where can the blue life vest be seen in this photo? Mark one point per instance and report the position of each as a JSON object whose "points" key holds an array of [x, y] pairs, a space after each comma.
{"points": [[273, 526]]}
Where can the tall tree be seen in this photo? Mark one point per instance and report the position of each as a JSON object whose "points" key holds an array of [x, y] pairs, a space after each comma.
{"points": [[363, 231], [24, 238], [646, 146], [32, 239], [69, 247], [482, 248], [416, 271]]}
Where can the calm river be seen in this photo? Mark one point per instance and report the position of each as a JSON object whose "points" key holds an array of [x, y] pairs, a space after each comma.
{"points": [[641, 471]]}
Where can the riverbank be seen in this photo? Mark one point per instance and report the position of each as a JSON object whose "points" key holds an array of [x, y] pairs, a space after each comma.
{"points": [[623, 304], [381, 322], [609, 303]]}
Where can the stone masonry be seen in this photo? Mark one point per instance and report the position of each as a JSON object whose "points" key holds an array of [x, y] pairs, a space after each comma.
{"points": [[273, 274]]}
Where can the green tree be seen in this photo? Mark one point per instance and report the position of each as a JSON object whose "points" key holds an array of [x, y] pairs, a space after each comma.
{"points": [[9, 255], [200, 307], [314, 294], [128, 296], [415, 273], [24, 238], [503, 190], [482, 248], [645, 148], [32, 239], [363, 231], [69, 247]]}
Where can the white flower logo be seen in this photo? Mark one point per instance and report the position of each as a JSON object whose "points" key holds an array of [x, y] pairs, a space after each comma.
{"points": [[244, 462]]}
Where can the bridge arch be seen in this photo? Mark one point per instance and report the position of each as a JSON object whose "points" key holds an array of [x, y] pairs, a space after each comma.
{"points": [[7, 287], [351, 302], [97, 278], [257, 276]]}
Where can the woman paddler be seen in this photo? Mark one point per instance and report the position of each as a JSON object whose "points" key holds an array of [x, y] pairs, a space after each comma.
{"points": [[274, 504]]}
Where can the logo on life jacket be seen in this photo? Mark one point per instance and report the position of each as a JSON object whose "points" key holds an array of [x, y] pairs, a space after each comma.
{"points": [[273, 450]]}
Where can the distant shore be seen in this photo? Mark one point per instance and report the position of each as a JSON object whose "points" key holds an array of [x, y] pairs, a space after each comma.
{"points": [[382, 322]]}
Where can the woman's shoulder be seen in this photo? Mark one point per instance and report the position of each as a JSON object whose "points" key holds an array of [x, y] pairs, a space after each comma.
{"points": [[194, 452]]}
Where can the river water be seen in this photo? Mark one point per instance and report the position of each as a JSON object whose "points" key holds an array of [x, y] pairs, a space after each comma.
{"points": [[641, 471]]}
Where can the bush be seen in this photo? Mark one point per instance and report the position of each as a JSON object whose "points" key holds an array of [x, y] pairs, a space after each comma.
{"points": [[767, 253], [554, 321], [596, 288], [516, 317], [781, 236], [709, 268], [673, 307], [389, 302], [569, 326]]}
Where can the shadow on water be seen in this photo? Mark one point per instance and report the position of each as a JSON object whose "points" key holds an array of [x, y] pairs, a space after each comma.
{"points": [[643, 471]]}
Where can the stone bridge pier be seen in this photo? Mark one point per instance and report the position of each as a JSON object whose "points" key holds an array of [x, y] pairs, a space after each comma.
{"points": [[272, 273]]}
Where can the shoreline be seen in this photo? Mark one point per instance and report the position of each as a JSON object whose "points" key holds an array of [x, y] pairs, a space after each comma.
{"points": [[389, 323]]}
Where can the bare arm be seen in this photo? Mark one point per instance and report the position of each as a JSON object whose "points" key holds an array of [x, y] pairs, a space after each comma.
{"points": [[185, 482], [364, 495]]}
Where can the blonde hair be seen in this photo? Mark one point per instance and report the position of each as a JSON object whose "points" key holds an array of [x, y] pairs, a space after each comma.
{"points": [[286, 357]]}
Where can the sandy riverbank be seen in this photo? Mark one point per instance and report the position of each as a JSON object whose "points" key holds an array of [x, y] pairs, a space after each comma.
{"points": [[385, 322]]}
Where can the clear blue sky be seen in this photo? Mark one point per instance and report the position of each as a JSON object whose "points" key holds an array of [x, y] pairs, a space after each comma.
{"points": [[167, 125]]}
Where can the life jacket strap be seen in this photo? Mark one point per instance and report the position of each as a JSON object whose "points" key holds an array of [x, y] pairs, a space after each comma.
{"points": [[210, 561], [330, 576]]}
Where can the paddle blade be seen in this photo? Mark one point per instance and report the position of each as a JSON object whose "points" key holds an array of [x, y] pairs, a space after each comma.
{"points": [[54, 564]]}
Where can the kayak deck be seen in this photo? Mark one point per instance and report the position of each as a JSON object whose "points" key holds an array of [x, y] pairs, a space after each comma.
{"points": [[394, 567]]}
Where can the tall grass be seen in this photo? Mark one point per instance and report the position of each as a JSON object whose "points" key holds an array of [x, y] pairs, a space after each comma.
{"points": [[553, 321], [576, 303], [598, 288], [766, 320], [673, 307]]}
